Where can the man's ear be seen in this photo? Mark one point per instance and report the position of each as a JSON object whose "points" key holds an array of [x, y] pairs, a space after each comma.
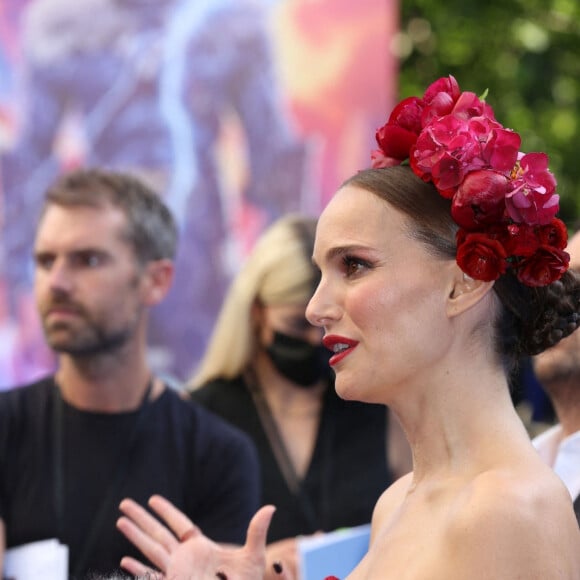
{"points": [[158, 277], [465, 292]]}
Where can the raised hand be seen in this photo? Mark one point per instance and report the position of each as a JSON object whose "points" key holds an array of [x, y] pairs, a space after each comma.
{"points": [[180, 550]]}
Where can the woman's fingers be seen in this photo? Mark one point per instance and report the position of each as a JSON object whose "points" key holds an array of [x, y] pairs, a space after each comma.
{"points": [[181, 525], [258, 530], [145, 532], [148, 546], [139, 570], [191, 550], [148, 524]]}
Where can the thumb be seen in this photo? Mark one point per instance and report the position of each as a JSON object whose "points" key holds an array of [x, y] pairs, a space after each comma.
{"points": [[258, 529]]}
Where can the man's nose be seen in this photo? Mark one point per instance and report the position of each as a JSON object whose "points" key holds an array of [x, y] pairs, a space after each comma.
{"points": [[60, 277]]}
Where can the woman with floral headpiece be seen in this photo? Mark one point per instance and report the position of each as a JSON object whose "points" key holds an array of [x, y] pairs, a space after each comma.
{"points": [[266, 371], [436, 277]]}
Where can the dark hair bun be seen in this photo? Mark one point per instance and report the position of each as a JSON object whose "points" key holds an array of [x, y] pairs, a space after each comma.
{"points": [[535, 319]]}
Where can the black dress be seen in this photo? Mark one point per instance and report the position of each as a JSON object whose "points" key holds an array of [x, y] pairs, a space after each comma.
{"points": [[348, 471]]}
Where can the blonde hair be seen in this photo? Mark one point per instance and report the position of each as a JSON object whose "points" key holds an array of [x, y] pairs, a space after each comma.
{"points": [[279, 270]]}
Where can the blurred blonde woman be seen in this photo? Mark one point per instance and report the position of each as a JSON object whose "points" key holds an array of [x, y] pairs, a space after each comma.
{"points": [[324, 461]]}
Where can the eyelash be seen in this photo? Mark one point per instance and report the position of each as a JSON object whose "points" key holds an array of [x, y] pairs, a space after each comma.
{"points": [[350, 262]]}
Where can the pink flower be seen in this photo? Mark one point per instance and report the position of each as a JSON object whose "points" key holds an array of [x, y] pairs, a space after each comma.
{"points": [[532, 198], [451, 147], [447, 85], [439, 152], [500, 146], [469, 105], [379, 159]]}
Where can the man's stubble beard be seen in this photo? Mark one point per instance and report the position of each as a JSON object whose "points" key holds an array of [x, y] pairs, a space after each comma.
{"points": [[97, 341], [91, 338]]}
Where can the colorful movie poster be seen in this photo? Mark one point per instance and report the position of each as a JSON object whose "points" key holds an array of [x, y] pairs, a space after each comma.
{"points": [[235, 111]]}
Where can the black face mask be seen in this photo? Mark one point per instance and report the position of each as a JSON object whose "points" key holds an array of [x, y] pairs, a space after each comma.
{"points": [[298, 360]]}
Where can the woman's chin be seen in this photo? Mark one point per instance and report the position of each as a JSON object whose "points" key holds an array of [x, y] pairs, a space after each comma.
{"points": [[346, 390]]}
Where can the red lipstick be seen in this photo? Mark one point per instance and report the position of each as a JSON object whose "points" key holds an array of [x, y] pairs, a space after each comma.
{"points": [[340, 345]]}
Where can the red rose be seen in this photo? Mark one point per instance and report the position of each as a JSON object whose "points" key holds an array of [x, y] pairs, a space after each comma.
{"points": [[439, 98], [480, 256], [480, 199], [522, 240], [554, 234], [407, 114], [546, 266], [396, 137]]}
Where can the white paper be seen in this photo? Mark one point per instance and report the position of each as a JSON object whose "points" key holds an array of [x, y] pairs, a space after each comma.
{"points": [[336, 553], [47, 559]]}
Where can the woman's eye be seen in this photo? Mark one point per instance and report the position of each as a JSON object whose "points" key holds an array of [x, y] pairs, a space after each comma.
{"points": [[353, 266]]}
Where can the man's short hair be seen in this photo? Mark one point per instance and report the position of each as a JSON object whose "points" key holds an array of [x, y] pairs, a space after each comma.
{"points": [[151, 229]]}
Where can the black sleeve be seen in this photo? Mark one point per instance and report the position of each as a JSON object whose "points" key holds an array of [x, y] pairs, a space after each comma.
{"points": [[230, 479]]}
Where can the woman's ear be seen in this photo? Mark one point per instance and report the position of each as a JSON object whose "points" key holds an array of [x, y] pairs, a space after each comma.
{"points": [[257, 314], [465, 293]]}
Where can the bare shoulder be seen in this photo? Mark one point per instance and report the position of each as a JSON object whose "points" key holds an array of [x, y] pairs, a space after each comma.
{"points": [[391, 500], [516, 523]]}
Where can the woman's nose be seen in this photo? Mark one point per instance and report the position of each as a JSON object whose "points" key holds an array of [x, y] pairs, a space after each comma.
{"points": [[322, 308]]}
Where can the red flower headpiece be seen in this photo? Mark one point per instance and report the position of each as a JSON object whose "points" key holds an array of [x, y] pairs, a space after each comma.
{"points": [[504, 201]]}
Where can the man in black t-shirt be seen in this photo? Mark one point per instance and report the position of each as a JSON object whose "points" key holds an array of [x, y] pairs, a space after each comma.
{"points": [[104, 427]]}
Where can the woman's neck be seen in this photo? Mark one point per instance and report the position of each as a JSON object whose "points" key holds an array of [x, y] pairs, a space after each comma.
{"points": [[460, 424]]}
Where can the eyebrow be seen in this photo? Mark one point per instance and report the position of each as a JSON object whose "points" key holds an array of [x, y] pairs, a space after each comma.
{"points": [[340, 251], [75, 253]]}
